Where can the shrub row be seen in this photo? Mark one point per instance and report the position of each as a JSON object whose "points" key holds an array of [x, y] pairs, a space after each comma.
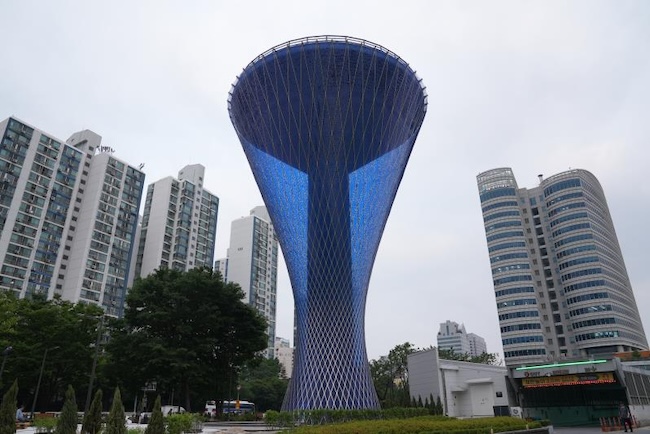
{"points": [[421, 425], [321, 417]]}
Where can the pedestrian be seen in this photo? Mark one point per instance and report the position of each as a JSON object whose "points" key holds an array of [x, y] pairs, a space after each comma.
{"points": [[625, 416], [20, 416]]}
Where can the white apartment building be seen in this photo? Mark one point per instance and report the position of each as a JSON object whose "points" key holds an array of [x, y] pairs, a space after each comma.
{"points": [[221, 265], [253, 264], [179, 223], [68, 216], [477, 345], [452, 336], [284, 353]]}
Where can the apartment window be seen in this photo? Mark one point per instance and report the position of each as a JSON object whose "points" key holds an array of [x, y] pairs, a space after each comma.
{"points": [[541, 294], [550, 341], [543, 305]]}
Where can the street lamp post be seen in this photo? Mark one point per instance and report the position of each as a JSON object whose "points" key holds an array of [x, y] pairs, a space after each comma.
{"points": [[38, 384], [5, 353]]}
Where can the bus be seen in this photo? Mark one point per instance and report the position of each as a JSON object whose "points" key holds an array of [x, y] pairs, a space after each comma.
{"points": [[232, 407], [228, 407]]}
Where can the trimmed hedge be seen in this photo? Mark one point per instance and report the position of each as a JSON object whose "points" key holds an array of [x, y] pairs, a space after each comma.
{"points": [[322, 417], [421, 425]]}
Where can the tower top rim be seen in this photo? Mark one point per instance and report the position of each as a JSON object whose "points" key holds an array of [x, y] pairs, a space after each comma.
{"points": [[314, 40]]}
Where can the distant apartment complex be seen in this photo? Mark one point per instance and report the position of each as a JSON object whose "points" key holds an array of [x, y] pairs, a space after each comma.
{"points": [[284, 353], [560, 282], [477, 345], [179, 224], [68, 216], [453, 336], [253, 264]]}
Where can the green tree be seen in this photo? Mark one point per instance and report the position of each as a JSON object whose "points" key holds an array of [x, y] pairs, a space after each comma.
{"points": [[156, 424], [116, 422], [65, 330], [8, 410], [92, 423], [439, 408], [263, 382], [390, 376], [450, 354], [67, 423], [485, 358], [188, 331]]}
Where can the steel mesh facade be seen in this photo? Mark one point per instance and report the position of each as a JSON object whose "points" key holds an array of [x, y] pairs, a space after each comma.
{"points": [[327, 125]]}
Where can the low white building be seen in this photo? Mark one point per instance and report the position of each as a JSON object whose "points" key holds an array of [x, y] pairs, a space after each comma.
{"points": [[465, 389]]}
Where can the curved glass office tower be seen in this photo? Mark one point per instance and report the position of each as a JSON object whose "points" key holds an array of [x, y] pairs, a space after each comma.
{"points": [[561, 286], [327, 124]]}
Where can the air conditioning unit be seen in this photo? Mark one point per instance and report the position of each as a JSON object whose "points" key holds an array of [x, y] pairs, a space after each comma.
{"points": [[516, 412]]}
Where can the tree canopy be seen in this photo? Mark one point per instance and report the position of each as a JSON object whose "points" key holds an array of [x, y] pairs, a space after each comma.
{"points": [[187, 331], [485, 358], [390, 376], [35, 326], [263, 382]]}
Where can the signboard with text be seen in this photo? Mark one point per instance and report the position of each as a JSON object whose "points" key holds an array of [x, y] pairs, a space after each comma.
{"points": [[569, 380]]}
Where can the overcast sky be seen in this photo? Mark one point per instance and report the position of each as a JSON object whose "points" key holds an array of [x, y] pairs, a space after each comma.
{"points": [[539, 86]]}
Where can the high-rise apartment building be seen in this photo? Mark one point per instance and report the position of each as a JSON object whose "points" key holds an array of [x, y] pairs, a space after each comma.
{"points": [[452, 336], [253, 264], [560, 282], [477, 345], [179, 224], [221, 265], [68, 216], [284, 354]]}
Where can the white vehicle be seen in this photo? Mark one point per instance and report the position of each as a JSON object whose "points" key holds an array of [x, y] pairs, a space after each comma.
{"points": [[210, 409]]}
